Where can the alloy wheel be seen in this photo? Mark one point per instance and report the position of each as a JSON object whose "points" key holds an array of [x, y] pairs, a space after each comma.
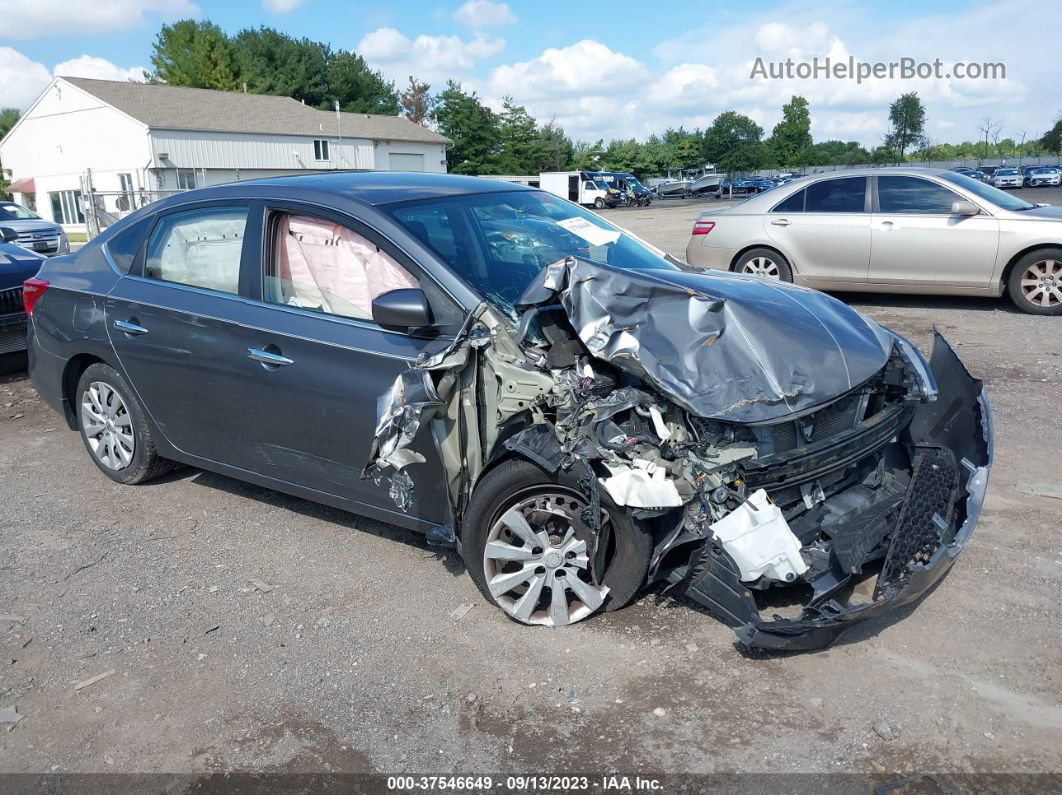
{"points": [[763, 267], [1041, 284], [107, 425], [536, 563]]}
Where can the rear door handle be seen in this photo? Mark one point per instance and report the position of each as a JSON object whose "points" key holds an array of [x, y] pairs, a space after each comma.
{"points": [[780, 222], [268, 357], [129, 328]]}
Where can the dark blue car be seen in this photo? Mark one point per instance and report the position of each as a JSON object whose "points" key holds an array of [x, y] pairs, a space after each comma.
{"points": [[509, 373], [16, 265]]}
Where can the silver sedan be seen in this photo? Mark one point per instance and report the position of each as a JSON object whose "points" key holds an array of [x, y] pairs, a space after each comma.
{"points": [[891, 230]]}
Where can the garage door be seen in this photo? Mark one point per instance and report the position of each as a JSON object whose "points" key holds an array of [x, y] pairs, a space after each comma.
{"points": [[406, 162]]}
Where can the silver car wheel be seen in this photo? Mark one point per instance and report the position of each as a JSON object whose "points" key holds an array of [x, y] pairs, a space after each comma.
{"points": [[536, 568], [763, 267], [1041, 284], [107, 426]]}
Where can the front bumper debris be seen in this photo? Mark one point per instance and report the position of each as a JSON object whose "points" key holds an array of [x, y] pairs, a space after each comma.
{"points": [[953, 446]]}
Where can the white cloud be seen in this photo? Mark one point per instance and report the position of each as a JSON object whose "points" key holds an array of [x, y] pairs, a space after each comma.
{"points": [[484, 14], [433, 59], [98, 68], [21, 80], [587, 67], [30, 19], [281, 6]]}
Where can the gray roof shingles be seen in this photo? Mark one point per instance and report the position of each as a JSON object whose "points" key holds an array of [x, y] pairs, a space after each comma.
{"points": [[178, 108]]}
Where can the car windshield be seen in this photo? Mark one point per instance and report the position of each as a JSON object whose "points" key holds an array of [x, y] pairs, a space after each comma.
{"points": [[1000, 198], [499, 242], [16, 212]]}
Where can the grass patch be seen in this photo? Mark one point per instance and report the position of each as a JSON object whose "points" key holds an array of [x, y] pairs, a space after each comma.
{"points": [[77, 237]]}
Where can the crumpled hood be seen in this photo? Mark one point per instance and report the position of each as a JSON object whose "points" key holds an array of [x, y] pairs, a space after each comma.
{"points": [[723, 346]]}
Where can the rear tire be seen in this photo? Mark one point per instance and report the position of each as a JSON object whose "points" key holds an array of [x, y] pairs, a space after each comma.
{"points": [[545, 502], [114, 428], [765, 263], [1035, 282]]}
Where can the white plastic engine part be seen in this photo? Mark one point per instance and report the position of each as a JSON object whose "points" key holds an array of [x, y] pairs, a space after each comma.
{"points": [[644, 485], [759, 540]]}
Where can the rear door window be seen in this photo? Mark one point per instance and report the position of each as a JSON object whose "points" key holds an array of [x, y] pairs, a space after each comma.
{"points": [[794, 204], [914, 195], [199, 248], [845, 195]]}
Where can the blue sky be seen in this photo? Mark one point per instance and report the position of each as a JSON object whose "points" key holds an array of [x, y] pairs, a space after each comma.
{"points": [[604, 69]]}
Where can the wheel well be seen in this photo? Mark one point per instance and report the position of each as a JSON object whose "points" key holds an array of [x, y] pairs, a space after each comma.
{"points": [[747, 249], [1014, 261], [71, 375]]}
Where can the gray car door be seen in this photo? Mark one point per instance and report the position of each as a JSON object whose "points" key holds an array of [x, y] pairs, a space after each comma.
{"points": [[174, 324], [311, 407]]}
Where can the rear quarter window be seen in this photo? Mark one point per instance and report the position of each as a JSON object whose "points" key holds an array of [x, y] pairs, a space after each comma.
{"points": [[123, 247]]}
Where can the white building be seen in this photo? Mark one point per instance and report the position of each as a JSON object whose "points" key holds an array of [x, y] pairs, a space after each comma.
{"points": [[131, 143]]}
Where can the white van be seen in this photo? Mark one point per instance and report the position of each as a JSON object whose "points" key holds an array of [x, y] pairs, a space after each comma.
{"points": [[582, 187]]}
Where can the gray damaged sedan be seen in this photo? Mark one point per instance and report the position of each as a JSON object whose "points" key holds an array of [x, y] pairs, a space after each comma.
{"points": [[506, 372]]}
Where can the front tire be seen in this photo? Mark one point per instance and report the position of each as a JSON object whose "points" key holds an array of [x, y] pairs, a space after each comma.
{"points": [[114, 429], [599, 204], [1035, 282], [529, 552], [764, 263]]}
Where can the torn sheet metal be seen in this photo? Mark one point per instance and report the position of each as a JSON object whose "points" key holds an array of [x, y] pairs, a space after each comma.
{"points": [[722, 346]]}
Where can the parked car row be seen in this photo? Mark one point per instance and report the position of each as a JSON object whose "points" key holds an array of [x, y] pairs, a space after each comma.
{"points": [[1013, 177], [16, 265], [905, 230]]}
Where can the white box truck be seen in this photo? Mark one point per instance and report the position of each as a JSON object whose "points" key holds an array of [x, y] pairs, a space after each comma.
{"points": [[582, 187]]}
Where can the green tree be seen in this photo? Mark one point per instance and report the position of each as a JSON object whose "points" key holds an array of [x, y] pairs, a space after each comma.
{"points": [[884, 154], [907, 123], [271, 62], [1052, 140], [8, 118], [474, 129], [520, 142], [588, 156], [196, 54], [555, 149], [734, 144], [358, 88], [790, 141], [416, 101]]}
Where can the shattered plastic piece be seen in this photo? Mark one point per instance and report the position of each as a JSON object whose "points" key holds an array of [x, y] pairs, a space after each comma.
{"points": [[757, 537], [1040, 490], [460, 611], [705, 340], [10, 715], [644, 485]]}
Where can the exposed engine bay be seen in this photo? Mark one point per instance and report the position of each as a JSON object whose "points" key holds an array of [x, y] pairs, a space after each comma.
{"points": [[766, 443]]}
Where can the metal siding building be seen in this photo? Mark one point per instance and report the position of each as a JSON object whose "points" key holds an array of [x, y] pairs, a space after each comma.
{"points": [[126, 144]]}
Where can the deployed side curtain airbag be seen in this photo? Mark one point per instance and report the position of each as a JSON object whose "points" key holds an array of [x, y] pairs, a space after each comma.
{"points": [[328, 267]]}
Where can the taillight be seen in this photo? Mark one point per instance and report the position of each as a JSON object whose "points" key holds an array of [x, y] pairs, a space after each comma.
{"points": [[32, 290], [703, 227]]}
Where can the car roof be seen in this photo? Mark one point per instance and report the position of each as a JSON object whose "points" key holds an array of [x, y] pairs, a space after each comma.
{"points": [[375, 187]]}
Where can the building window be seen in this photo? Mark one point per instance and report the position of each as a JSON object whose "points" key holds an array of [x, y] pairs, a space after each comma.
{"points": [[320, 150], [186, 179], [66, 207]]}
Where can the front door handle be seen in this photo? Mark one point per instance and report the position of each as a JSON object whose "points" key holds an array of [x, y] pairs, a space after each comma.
{"points": [[129, 328], [780, 222], [269, 358]]}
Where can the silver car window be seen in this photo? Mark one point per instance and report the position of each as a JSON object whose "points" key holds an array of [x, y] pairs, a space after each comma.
{"points": [[845, 195], [914, 195]]}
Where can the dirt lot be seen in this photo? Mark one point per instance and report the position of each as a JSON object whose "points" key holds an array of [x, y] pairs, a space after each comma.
{"points": [[239, 628]]}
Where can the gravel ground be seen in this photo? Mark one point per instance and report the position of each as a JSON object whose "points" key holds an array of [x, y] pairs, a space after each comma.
{"points": [[238, 628]]}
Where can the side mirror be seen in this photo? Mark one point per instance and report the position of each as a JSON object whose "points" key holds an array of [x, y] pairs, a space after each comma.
{"points": [[402, 310], [964, 208], [7, 234]]}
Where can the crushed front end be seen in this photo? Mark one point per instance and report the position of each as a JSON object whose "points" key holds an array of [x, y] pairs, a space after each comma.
{"points": [[780, 449]]}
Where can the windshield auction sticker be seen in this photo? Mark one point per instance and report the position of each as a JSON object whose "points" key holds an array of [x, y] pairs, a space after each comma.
{"points": [[591, 233]]}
